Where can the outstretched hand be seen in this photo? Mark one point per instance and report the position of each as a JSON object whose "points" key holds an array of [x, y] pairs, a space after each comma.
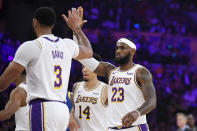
{"points": [[75, 18], [80, 11]]}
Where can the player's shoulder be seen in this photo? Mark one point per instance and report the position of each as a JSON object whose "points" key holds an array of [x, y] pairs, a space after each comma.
{"points": [[103, 84], [139, 67], [67, 40], [76, 86], [30, 43]]}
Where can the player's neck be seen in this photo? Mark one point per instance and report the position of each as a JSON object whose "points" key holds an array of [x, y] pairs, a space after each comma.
{"points": [[91, 84], [43, 32], [127, 66]]}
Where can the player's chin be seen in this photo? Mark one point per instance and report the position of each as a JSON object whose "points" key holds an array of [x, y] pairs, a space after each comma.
{"points": [[85, 79]]}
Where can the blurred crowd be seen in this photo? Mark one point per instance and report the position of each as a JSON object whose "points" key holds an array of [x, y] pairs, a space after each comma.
{"points": [[167, 55], [164, 16]]}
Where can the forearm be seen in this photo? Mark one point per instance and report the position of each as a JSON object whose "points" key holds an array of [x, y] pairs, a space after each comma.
{"points": [[72, 111], [147, 107], [3, 84], [82, 39], [4, 115]]}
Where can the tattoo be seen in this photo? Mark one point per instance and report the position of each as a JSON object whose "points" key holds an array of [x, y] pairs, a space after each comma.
{"points": [[144, 78], [82, 39], [104, 69]]}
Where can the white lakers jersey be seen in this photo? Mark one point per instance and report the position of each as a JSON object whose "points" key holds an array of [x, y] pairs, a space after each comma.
{"points": [[22, 115], [124, 95], [48, 78], [89, 109]]}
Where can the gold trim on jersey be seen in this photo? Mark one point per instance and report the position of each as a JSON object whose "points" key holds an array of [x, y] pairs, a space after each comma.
{"points": [[139, 128], [76, 89], [44, 121], [134, 79], [101, 98], [39, 43]]}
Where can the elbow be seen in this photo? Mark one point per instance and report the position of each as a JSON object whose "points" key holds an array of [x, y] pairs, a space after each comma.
{"points": [[90, 53], [3, 85], [2, 88]]}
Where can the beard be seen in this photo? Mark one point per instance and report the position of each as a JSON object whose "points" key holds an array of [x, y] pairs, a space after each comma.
{"points": [[86, 80], [124, 60]]}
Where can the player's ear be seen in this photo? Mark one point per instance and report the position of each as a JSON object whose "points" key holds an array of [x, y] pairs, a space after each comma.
{"points": [[35, 23], [52, 27], [133, 51]]}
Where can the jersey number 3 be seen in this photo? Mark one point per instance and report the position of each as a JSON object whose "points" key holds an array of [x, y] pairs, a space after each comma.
{"points": [[115, 92], [58, 73]]}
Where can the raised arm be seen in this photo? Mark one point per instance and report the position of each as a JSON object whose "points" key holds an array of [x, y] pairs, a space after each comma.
{"points": [[17, 100], [145, 81], [74, 21], [104, 69]]}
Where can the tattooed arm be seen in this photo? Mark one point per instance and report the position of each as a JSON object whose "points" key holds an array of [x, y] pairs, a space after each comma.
{"points": [[104, 69], [74, 21], [144, 79]]}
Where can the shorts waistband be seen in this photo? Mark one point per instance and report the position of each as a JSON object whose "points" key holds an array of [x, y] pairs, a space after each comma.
{"points": [[142, 127], [39, 100]]}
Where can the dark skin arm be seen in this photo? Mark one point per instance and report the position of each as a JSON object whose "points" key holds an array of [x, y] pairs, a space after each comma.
{"points": [[104, 69], [73, 124], [74, 21], [12, 72], [144, 79], [17, 100]]}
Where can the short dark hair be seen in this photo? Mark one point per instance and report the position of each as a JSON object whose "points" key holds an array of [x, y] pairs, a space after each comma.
{"points": [[97, 57], [45, 15]]}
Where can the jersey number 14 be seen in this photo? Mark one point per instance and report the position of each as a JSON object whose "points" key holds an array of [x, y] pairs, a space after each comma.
{"points": [[85, 112]]}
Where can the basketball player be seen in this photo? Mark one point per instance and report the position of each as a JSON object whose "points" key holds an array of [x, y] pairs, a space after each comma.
{"points": [[17, 105], [89, 103], [46, 60], [131, 92]]}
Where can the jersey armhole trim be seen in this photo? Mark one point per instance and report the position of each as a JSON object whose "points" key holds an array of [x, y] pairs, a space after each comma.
{"points": [[76, 89], [135, 81], [101, 99]]}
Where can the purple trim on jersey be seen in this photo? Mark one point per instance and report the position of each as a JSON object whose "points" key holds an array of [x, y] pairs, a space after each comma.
{"points": [[39, 100], [36, 117], [51, 40], [143, 127]]}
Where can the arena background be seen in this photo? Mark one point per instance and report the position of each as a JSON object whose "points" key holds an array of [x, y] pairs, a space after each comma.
{"points": [[163, 30]]}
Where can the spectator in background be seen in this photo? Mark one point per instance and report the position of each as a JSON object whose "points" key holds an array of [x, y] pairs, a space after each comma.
{"points": [[182, 122], [191, 122]]}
